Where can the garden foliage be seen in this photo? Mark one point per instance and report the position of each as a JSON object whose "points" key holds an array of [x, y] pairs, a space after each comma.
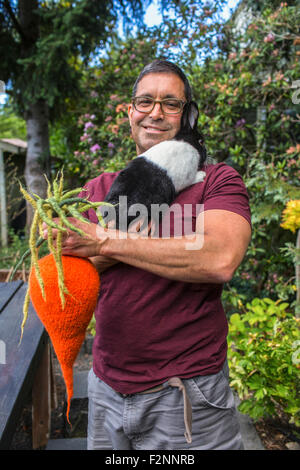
{"points": [[264, 358]]}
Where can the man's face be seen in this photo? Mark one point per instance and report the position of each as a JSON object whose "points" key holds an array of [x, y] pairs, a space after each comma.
{"points": [[150, 129]]}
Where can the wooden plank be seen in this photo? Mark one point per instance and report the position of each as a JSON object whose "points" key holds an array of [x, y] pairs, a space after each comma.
{"points": [[7, 291], [16, 375], [3, 207], [42, 400], [54, 399]]}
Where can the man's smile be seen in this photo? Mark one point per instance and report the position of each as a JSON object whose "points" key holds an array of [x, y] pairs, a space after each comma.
{"points": [[154, 129]]}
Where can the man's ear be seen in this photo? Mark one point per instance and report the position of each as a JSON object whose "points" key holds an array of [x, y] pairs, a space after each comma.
{"points": [[190, 117]]}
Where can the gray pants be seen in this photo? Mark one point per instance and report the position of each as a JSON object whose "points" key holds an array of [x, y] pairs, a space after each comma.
{"points": [[155, 421]]}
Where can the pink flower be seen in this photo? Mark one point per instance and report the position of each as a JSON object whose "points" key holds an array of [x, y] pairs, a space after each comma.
{"points": [[95, 148], [292, 162], [109, 118], [269, 38], [267, 82], [279, 76], [245, 275], [88, 125], [252, 26], [240, 123], [291, 150]]}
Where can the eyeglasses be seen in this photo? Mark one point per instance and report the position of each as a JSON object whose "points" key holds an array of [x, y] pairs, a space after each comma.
{"points": [[145, 104]]}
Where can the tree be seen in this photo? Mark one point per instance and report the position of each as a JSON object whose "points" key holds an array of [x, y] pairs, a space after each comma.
{"points": [[41, 44]]}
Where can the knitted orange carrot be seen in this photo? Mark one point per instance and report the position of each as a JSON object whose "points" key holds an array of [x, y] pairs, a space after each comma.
{"points": [[63, 289], [66, 326]]}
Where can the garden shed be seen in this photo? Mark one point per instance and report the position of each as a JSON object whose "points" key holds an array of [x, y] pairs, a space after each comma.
{"points": [[12, 158]]}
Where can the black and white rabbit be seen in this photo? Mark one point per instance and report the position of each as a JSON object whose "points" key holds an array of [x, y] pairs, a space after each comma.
{"points": [[160, 173]]}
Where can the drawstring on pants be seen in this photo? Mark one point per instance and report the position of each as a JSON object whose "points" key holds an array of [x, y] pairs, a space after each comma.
{"points": [[187, 407]]}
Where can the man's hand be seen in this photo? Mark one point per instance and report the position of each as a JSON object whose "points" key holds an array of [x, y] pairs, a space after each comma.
{"points": [[84, 246], [91, 245]]}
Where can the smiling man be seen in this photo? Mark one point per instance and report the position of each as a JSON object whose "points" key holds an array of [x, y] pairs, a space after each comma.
{"points": [[150, 128], [160, 377]]}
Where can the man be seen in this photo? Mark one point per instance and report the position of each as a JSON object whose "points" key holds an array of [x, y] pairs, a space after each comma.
{"points": [[160, 326]]}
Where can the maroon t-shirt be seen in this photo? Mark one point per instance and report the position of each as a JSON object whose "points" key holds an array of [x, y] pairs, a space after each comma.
{"points": [[149, 328]]}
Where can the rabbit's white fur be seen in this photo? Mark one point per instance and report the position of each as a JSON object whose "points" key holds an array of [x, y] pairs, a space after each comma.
{"points": [[179, 159]]}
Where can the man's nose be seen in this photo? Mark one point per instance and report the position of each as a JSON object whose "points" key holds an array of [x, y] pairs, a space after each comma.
{"points": [[156, 112]]}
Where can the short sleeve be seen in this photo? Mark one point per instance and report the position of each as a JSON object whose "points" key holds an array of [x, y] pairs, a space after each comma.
{"points": [[96, 190], [226, 190]]}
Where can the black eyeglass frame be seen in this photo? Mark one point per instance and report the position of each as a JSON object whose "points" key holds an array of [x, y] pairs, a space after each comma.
{"points": [[182, 104]]}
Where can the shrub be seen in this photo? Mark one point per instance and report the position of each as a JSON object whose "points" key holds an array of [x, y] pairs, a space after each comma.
{"points": [[264, 359]]}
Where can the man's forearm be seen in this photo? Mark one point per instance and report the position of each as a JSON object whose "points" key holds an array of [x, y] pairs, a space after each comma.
{"points": [[171, 258], [102, 263], [212, 255]]}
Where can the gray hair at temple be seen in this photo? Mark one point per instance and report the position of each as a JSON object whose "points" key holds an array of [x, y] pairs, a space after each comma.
{"points": [[164, 66]]}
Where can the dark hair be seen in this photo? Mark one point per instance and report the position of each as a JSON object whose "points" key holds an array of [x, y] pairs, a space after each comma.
{"points": [[164, 66]]}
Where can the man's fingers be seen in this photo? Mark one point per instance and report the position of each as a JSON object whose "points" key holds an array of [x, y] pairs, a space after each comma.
{"points": [[145, 230], [140, 228]]}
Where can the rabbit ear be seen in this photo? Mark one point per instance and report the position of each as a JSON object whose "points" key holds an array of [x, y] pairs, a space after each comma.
{"points": [[193, 114], [190, 117]]}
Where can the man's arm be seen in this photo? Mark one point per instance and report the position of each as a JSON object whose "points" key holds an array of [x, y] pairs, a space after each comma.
{"points": [[225, 237], [102, 263]]}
